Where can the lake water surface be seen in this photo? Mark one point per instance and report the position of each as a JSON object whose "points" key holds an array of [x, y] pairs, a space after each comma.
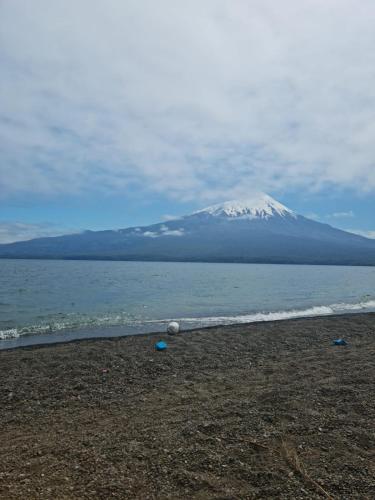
{"points": [[44, 301]]}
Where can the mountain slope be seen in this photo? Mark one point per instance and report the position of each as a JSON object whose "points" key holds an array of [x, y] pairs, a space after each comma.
{"points": [[256, 230]]}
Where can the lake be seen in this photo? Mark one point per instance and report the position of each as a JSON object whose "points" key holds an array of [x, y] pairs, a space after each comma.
{"points": [[51, 300]]}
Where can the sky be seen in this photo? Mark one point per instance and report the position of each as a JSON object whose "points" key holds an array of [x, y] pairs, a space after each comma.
{"points": [[129, 112]]}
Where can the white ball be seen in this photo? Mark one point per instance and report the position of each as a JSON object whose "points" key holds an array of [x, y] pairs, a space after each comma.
{"points": [[173, 327]]}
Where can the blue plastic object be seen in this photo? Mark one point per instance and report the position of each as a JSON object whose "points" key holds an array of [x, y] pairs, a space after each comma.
{"points": [[161, 345], [340, 342]]}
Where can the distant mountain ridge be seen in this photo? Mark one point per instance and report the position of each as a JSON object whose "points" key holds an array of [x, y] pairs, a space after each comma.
{"points": [[259, 230]]}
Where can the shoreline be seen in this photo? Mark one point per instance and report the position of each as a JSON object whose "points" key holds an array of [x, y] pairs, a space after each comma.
{"points": [[258, 410], [50, 342], [186, 261]]}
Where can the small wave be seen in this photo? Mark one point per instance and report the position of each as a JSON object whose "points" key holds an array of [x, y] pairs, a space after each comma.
{"points": [[11, 333], [280, 315], [122, 319], [369, 304], [71, 323], [266, 316]]}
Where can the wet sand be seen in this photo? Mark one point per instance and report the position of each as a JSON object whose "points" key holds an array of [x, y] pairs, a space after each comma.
{"points": [[267, 410]]}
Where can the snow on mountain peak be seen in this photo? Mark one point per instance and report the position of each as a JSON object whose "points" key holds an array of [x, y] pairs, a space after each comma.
{"points": [[261, 206]]}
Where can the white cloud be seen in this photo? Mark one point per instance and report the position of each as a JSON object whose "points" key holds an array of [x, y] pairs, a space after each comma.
{"points": [[341, 215], [20, 231], [196, 100], [150, 234], [362, 232], [313, 215], [168, 217], [164, 231], [173, 232]]}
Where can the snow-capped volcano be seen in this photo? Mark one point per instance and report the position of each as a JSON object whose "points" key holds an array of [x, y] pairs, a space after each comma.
{"points": [[261, 206], [258, 230]]}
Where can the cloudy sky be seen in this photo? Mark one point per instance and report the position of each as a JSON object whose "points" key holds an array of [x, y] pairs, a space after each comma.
{"points": [[125, 112]]}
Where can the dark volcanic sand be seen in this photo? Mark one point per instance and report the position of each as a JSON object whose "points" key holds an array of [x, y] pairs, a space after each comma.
{"points": [[269, 410]]}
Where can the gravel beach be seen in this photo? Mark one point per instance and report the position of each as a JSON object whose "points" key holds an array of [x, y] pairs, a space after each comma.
{"points": [[266, 410]]}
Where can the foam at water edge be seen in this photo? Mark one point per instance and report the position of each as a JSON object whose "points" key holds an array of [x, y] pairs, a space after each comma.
{"points": [[120, 320], [370, 304], [280, 315], [12, 333], [269, 316]]}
